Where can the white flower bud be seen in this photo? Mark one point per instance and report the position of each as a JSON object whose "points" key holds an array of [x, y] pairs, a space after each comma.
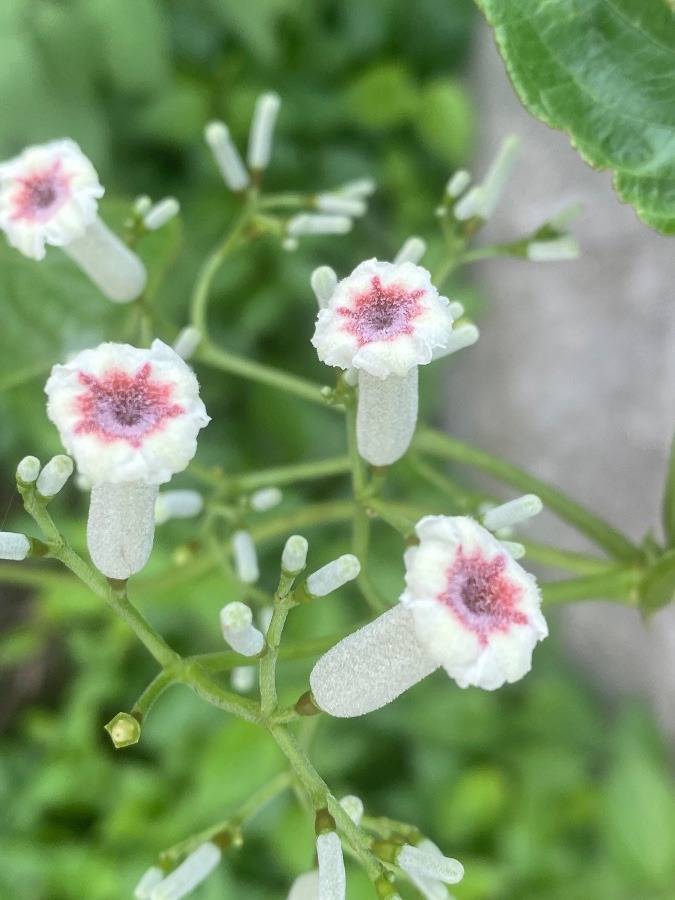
{"points": [[294, 557], [334, 204], [353, 806], [238, 631], [242, 678], [226, 155], [142, 205], [360, 187], [332, 878], [431, 888], [161, 213], [149, 880], [323, 281], [54, 475], [458, 183], [305, 886], [498, 174], [350, 376], [245, 557], [470, 205], [262, 131], [177, 505], [456, 310], [552, 251], [194, 869], [421, 862], [516, 550], [265, 498], [512, 512], [306, 223], [386, 416], [333, 575], [412, 251], [28, 469], [187, 341], [460, 337], [13, 545]]}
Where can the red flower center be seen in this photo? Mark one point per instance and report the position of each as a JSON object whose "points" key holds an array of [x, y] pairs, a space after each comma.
{"points": [[481, 595], [123, 407], [41, 194], [382, 312]]}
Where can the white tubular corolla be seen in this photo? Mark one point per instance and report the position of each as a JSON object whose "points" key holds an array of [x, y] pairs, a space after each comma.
{"points": [[418, 861], [513, 512], [305, 886], [458, 183], [333, 575], [194, 869], [308, 223], [13, 545], [236, 622], [121, 527], [161, 213], [187, 341], [323, 281], [353, 806], [332, 877], [294, 556], [177, 505], [561, 248], [110, 264], [428, 885], [463, 336], [412, 251], [226, 155], [54, 475], [262, 131], [340, 205], [245, 557], [149, 880], [386, 416]]}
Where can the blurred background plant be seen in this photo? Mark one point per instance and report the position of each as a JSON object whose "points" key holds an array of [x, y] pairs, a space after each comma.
{"points": [[537, 789]]}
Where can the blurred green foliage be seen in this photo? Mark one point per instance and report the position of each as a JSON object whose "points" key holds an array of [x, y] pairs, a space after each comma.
{"points": [[534, 788]]}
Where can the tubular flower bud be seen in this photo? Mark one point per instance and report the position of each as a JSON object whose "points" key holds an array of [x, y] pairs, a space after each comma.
{"points": [[262, 131], [333, 575], [28, 470], [14, 545], [54, 475], [307, 223], [227, 157], [149, 880], [412, 251], [332, 877], [49, 195], [429, 864], [189, 338], [384, 319], [236, 622], [428, 885], [458, 183], [353, 806], [305, 886], [194, 869], [245, 557], [242, 678], [265, 498], [294, 556], [340, 205], [468, 607], [561, 248], [360, 188], [323, 281], [463, 336], [177, 505], [130, 418], [513, 512], [161, 213]]}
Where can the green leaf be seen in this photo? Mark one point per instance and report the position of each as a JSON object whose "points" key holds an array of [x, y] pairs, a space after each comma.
{"points": [[601, 70], [658, 586]]}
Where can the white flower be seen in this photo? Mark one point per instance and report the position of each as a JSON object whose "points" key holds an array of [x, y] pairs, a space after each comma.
{"points": [[130, 418], [468, 606], [383, 319], [127, 414], [49, 195]]}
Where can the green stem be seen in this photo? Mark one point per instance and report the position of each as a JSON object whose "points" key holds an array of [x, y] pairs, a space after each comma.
{"points": [[618, 585], [11, 573], [268, 662], [195, 677], [153, 691], [200, 296], [567, 560], [602, 533], [211, 355], [276, 477], [462, 499]]}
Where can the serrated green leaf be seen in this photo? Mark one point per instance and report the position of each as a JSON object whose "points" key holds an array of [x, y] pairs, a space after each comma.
{"points": [[601, 70]]}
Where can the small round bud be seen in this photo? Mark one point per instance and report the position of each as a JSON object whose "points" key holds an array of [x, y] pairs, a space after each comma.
{"points": [[266, 498], [353, 806], [332, 576], [124, 730], [161, 213], [28, 470], [294, 557], [187, 342], [14, 545]]}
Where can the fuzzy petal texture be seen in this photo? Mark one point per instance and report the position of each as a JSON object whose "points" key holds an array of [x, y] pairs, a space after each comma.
{"points": [[48, 195], [371, 667], [384, 318], [127, 414], [475, 610]]}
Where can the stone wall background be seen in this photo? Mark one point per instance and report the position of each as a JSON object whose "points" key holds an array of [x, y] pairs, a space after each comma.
{"points": [[574, 375]]}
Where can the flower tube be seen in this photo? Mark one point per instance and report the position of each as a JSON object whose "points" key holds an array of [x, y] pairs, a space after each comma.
{"points": [[49, 195], [385, 319], [468, 606], [130, 419]]}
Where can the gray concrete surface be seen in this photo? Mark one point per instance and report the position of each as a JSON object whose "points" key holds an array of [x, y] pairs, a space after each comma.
{"points": [[574, 374]]}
